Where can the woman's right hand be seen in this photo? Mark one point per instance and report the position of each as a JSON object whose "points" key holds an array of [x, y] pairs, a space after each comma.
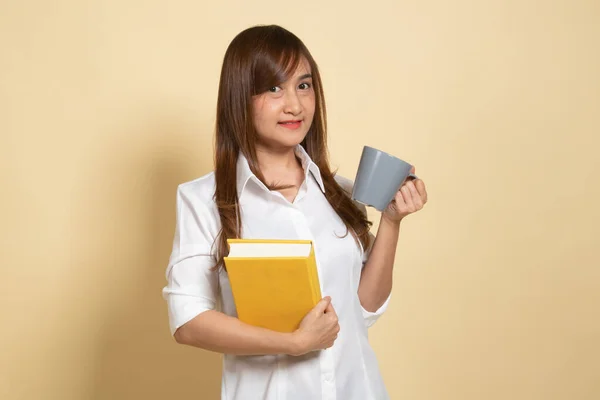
{"points": [[318, 330]]}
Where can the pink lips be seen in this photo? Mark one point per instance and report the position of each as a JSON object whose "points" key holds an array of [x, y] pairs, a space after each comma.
{"points": [[291, 124]]}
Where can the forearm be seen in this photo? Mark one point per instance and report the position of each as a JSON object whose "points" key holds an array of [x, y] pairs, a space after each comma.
{"points": [[376, 278], [215, 331]]}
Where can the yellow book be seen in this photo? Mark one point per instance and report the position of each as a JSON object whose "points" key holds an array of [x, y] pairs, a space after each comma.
{"points": [[275, 283]]}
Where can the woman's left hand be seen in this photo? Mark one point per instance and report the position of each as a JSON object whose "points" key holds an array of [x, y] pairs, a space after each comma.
{"points": [[411, 197]]}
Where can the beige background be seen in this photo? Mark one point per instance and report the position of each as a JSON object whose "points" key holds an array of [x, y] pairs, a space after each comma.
{"points": [[106, 106]]}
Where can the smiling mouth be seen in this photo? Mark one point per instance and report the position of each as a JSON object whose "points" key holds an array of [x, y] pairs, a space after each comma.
{"points": [[291, 124]]}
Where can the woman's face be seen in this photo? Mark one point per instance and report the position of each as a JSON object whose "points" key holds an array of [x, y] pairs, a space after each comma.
{"points": [[283, 114]]}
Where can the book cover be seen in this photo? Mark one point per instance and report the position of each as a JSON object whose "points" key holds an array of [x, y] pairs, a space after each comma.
{"points": [[274, 283]]}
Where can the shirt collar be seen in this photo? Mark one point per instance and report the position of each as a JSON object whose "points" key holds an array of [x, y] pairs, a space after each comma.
{"points": [[244, 174]]}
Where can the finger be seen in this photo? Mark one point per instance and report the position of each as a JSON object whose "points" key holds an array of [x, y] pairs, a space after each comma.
{"points": [[416, 197], [407, 198], [413, 170], [322, 305], [399, 199], [420, 185], [329, 309], [399, 202]]}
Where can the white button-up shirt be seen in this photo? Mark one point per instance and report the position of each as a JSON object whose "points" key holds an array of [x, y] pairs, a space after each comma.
{"points": [[346, 371]]}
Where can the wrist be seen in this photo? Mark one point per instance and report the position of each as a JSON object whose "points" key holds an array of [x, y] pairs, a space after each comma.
{"points": [[294, 344], [390, 222]]}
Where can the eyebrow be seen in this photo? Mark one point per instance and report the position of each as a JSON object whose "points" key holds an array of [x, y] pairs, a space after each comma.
{"points": [[305, 76]]}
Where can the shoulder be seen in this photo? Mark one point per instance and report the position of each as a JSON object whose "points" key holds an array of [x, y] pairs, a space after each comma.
{"points": [[198, 195], [201, 189], [347, 185], [198, 221]]}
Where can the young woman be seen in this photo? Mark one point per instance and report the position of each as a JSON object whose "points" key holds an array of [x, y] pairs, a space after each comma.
{"points": [[272, 180]]}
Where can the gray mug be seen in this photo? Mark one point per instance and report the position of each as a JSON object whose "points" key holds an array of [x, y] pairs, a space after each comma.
{"points": [[379, 177]]}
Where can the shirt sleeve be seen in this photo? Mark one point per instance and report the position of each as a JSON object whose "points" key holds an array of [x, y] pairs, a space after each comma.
{"points": [[192, 284], [371, 317]]}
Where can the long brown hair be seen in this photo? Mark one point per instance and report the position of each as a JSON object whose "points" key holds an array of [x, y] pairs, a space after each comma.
{"points": [[257, 59]]}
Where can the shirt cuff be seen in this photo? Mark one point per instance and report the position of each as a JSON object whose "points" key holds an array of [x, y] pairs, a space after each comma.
{"points": [[372, 317], [183, 308]]}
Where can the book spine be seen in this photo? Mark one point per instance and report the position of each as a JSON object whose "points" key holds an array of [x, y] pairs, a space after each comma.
{"points": [[314, 276]]}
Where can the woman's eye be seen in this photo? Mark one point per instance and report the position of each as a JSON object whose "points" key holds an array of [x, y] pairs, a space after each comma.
{"points": [[274, 89], [304, 86]]}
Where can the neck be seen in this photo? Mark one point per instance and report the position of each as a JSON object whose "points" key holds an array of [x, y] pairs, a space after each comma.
{"points": [[270, 160]]}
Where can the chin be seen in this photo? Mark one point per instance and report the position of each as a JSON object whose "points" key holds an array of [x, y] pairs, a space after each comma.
{"points": [[290, 140], [296, 141]]}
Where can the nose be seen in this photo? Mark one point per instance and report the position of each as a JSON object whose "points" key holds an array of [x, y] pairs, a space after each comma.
{"points": [[292, 103]]}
